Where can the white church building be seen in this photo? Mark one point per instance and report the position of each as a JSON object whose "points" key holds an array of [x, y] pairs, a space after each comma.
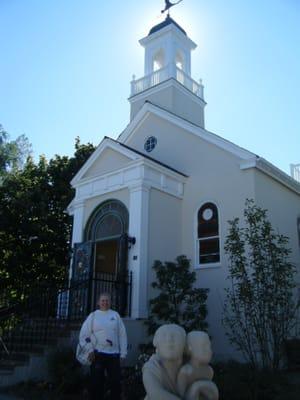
{"points": [[167, 187]]}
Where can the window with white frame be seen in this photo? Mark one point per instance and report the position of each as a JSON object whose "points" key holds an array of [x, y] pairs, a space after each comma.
{"points": [[208, 239]]}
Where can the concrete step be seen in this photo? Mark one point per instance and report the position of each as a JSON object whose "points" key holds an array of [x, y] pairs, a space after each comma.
{"points": [[6, 371], [11, 364], [29, 349], [23, 357]]}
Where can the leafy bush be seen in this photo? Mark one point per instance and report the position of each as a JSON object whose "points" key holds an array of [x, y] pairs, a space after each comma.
{"points": [[259, 311], [178, 301]]}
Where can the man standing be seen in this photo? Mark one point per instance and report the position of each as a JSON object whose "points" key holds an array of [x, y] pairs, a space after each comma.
{"points": [[104, 328]]}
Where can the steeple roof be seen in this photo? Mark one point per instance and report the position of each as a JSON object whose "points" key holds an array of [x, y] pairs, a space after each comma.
{"points": [[166, 22]]}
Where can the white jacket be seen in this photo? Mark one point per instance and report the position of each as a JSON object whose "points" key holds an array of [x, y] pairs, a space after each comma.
{"points": [[104, 331]]}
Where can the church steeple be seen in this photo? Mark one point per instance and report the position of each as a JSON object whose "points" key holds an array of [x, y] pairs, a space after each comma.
{"points": [[167, 44], [167, 79]]}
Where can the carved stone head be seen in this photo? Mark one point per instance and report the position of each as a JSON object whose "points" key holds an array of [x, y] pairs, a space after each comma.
{"points": [[198, 346], [169, 341]]}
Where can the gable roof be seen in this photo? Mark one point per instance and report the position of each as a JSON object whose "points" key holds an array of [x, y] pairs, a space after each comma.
{"points": [[129, 152], [149, 108], [248, 159]]}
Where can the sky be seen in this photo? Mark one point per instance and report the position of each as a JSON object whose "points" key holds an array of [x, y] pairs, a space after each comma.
{"points": [[66, 67]]}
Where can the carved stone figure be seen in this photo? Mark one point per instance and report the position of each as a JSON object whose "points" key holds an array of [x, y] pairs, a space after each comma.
{"points": [[164, 376], [194, 380], [160, 372]]}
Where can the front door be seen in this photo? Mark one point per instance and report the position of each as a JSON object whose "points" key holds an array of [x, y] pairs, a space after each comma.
{"points": [[110, 271], [106, 258], [107, 228]]}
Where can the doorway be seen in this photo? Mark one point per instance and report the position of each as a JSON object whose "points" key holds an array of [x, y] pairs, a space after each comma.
{"points": [[107, 230], [106, 258]]}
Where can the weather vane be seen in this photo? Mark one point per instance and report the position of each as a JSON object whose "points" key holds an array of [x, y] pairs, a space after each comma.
{"points": [[168, 5]]}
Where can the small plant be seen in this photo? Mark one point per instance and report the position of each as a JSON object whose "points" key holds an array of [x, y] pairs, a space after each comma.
{"points": [[178, 301]]}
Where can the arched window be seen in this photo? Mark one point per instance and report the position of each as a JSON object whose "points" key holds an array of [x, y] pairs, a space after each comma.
{"points": [[158, 60], [179, 61], [208, 240], [109, 220]]}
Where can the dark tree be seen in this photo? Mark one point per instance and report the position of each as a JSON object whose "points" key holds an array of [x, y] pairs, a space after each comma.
{"points": [[178, 301], [34, 226]]}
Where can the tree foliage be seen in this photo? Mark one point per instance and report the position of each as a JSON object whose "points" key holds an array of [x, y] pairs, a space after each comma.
{"points": [[178, 301], [35, 228], [13, 154], [259, 311]]}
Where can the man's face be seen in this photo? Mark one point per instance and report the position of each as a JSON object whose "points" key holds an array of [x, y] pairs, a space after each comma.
{"points": [[170, 344], [104, 303]]}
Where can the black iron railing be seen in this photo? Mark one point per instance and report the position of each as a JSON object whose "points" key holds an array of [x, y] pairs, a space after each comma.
{"points": [[42, 314]]}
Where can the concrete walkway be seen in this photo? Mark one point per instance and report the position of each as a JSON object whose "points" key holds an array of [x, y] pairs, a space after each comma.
{"points": [[8, 397]]}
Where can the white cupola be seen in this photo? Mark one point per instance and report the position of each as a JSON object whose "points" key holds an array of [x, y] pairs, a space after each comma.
{"points": [[167, 81], [169, 46]]}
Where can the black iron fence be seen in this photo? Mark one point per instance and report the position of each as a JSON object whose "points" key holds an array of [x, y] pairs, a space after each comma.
{"points": [[42, 314]]}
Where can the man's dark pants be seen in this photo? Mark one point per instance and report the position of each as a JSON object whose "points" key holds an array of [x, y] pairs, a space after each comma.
{"points": [[105, 366]]}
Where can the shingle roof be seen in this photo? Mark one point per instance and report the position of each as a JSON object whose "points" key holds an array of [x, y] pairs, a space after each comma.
{"points": [[166, 22]]}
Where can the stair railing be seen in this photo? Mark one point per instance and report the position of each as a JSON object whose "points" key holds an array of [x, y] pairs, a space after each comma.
{"points": [[43, 313]]}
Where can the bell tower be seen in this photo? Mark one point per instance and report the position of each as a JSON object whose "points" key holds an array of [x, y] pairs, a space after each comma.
{"points": [[167, 80]]}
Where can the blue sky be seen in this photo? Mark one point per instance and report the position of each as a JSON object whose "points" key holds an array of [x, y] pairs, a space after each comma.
{"points": [[66, 66]]}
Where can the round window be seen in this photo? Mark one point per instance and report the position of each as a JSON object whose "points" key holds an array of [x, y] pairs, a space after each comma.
{"points": [[207, 214], [150, 143]]}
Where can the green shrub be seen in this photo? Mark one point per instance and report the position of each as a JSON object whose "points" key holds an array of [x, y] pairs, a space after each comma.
{"points": [[177, 301]]}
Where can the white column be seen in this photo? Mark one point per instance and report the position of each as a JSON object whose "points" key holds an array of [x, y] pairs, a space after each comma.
{"points": [[77, 231], [138, 254], [78, 214]]}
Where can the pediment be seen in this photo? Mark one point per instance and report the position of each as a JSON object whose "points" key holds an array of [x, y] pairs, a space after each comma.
{"points": [[108, 157], [108, 161]]}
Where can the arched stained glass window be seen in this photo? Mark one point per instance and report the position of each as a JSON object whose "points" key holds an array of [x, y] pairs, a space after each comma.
{"points": [[109, 226], [109, 220], [208, 241]]}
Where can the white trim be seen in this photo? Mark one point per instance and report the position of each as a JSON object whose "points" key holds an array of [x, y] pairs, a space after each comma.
{"points": [[249, 159], [164, 85], [78, 217], [149, 108], [106, 143], [196, 263], [138, 254], [140, 171], [295, 171], [168, 28], [251, 163], [269, 169], [201, 267]]}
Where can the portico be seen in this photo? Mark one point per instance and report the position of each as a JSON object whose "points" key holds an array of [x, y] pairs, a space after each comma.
{"points": [[129, 186]]}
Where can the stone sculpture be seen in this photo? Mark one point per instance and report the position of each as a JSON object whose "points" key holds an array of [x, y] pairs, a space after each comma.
{"points": [[164, 375]]}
